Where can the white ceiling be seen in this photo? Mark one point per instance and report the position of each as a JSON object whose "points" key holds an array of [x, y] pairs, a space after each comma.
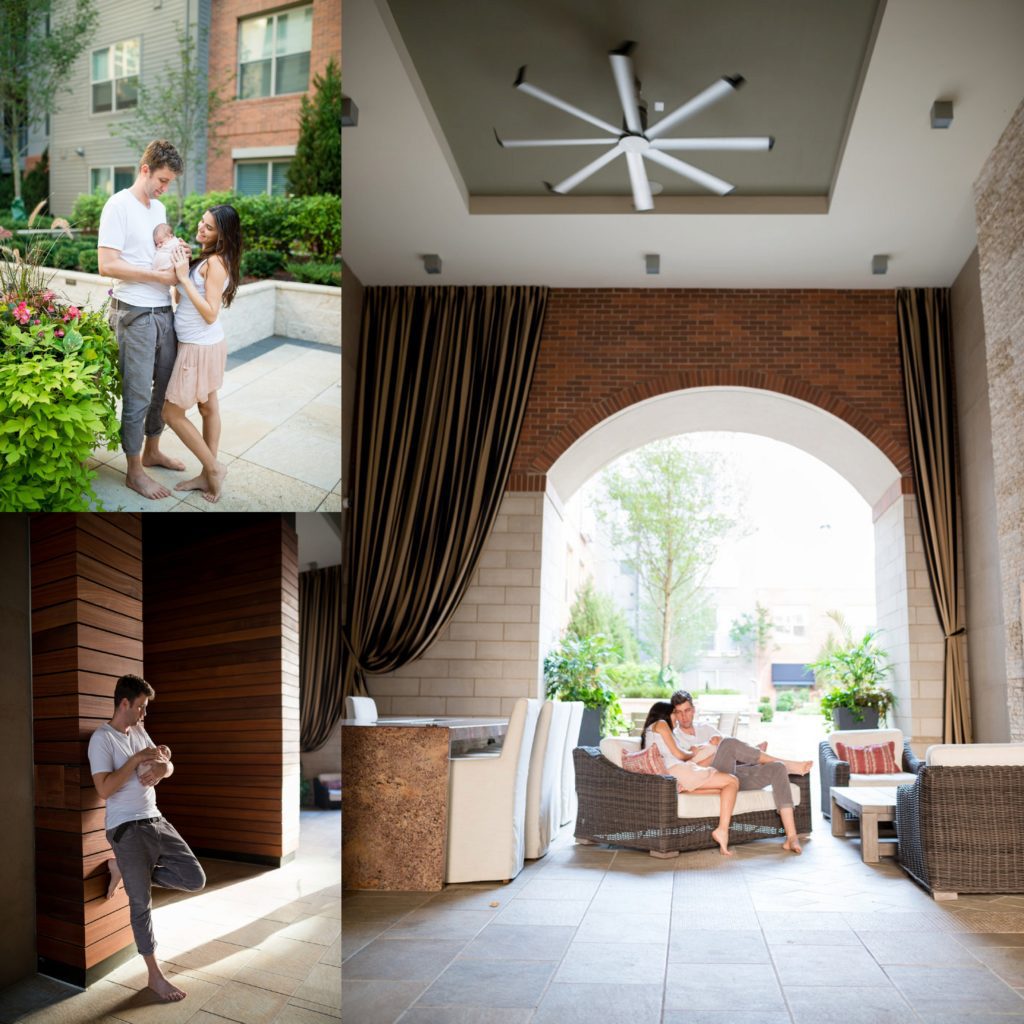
{"points": [[319, 536], [902, 188]]}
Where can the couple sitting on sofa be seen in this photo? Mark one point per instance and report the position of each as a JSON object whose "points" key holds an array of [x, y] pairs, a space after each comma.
{"points": [[703, 761]]}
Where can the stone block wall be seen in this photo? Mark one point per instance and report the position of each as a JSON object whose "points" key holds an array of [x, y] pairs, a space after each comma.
{"points": [[999, 212]]}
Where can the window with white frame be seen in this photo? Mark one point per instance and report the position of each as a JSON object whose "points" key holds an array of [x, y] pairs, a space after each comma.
{"points": [[110, 179], [273, 53], [115, 77], [256, 177], [790, 622]]}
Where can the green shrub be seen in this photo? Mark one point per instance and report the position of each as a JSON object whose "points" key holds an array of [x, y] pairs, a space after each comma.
{"points": [[765, 708], [197, 203], [785, 701], [316, 273], [35, 186], [261, 262], [57, 400], [320, 224], [85, 214], [632, 679], [89, 261], [576, 669]]}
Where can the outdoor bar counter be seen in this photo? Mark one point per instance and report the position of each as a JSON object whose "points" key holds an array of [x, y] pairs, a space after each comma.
{"points": [[395, 797]]}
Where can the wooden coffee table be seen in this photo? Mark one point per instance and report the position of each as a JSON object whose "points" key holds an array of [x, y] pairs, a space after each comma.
{"points": [[871, 804]]}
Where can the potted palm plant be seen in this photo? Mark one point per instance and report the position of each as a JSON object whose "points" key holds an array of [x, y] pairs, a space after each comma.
{"points": [[855, 668], [575, 671]]}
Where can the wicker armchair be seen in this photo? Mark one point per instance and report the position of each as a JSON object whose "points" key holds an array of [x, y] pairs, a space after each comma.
{"points": [[835, 772], [641, 812], [960, 825]]}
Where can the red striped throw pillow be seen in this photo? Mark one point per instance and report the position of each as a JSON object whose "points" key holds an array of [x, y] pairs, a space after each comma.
{"points": [[875, 759], [645, 762]]}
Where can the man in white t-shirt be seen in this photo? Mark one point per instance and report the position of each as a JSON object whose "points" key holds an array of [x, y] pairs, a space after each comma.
{"points": [[126, 767], [140, 312]]}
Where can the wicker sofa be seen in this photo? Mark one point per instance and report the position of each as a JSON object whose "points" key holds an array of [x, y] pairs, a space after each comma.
{"points": [[960, 823], [836, 772], [645, 812]]}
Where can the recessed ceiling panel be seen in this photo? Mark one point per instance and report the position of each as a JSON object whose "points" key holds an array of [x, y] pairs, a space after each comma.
{"points": [[802, 61]]}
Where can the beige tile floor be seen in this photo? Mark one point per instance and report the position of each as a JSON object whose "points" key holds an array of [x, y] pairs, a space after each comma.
{"points": [[594, 934], [257, 946], [281, 438]]}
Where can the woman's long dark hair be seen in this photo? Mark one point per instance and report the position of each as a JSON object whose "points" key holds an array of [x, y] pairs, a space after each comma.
{"points": [[228, 246], [661, 711]]}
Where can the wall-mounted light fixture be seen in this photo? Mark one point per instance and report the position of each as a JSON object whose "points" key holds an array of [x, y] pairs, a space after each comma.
{"points": [[349, 113], [879, 263], [942, 113], [652, 263], [79, 151], [432, 263]]}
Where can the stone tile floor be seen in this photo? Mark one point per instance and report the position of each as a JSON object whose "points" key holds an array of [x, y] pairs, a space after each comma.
{"points": [[257, 946], [592, 934], [281, 437]]}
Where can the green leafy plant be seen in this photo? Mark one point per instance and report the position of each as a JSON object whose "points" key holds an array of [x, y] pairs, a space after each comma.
{"points": [[855, 669], [316, 167], [632, 679], [261, 262], [85, 214], [764, 707], [575, 670], [316, 273], [784, 702]]}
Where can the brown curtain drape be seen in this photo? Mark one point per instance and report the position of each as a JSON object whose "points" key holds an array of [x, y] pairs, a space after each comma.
{"points": [[319, 655], [926, 352], [443, 379]]}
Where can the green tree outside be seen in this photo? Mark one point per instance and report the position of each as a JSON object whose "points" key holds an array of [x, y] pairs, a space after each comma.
{"points": [[36, 55], [316, 167], [594, 612], [662, 509]]}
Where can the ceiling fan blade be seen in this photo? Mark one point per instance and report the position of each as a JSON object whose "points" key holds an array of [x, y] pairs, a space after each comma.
{"points": [[518, 143], [753, 142], [625, 82], [638, 181], [581, 175], [725, 86], [545, 97], [709, 181]]}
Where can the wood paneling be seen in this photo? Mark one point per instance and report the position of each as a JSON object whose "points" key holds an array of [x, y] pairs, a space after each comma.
{"points": [[86, 631], [222, 653]]}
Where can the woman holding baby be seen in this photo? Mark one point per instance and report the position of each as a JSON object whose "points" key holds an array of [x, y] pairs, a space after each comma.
{"points": [[205, 284]]}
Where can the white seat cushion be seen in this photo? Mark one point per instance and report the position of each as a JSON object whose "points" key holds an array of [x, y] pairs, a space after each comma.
{"points": [[613, 746], [952, 754], [705, 805], [892, 779]]}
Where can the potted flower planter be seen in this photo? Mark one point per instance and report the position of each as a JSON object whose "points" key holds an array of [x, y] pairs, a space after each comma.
{"points": [[845, 718]]}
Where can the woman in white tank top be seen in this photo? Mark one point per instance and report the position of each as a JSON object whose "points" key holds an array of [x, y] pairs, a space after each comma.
{"points": [[657, 731], [204, 284]]}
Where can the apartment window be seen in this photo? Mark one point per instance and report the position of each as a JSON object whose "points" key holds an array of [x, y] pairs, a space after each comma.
{"points": [[255, 177], [273, 53], [115, 77], [110, 179]]}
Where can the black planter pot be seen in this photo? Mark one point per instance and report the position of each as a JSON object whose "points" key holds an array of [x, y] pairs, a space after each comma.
{"points": [[590, 728], [843, 718]]}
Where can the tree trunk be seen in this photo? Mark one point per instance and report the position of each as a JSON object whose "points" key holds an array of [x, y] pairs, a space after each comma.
{"points": [[666, 634]]}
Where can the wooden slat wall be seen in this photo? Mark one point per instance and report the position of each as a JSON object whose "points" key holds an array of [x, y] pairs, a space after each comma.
{"points": [[86, 631], [221, 598]]}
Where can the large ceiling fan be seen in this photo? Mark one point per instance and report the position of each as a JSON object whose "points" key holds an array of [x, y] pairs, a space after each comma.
{"points": [[636, 141]]}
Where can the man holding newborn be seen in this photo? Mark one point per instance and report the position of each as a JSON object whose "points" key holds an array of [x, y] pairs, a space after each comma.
{"points": [[126, 767]]}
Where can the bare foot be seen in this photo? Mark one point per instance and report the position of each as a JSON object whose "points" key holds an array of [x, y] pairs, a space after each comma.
{"points": [[115, 877], [158, 458], [762, 746], [216, 481], [197, 483], [147, 486], [165, 990], [792, 844], [798, 767], [721, 836]]}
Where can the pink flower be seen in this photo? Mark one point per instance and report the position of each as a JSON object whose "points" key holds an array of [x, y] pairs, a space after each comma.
{"points": [[47, 295], [49, 309], [110, 291], [22, 313], [73, 311], [59, 333]]}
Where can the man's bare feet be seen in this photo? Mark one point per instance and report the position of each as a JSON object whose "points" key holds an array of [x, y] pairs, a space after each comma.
{"points": [[158, 458], [792, 844], [167, 992], [115, 877], [215, 477], [146, 486], [721, 836]]}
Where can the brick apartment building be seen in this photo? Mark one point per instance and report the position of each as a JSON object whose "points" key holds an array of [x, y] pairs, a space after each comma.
{"points": [[266, 56]]}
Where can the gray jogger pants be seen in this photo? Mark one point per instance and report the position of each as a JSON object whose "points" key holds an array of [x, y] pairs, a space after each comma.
{"points": [[152, 853], [146, 347], [742, 760]]}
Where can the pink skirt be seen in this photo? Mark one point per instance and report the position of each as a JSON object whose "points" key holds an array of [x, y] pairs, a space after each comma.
{"points": [[198, 371]]}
